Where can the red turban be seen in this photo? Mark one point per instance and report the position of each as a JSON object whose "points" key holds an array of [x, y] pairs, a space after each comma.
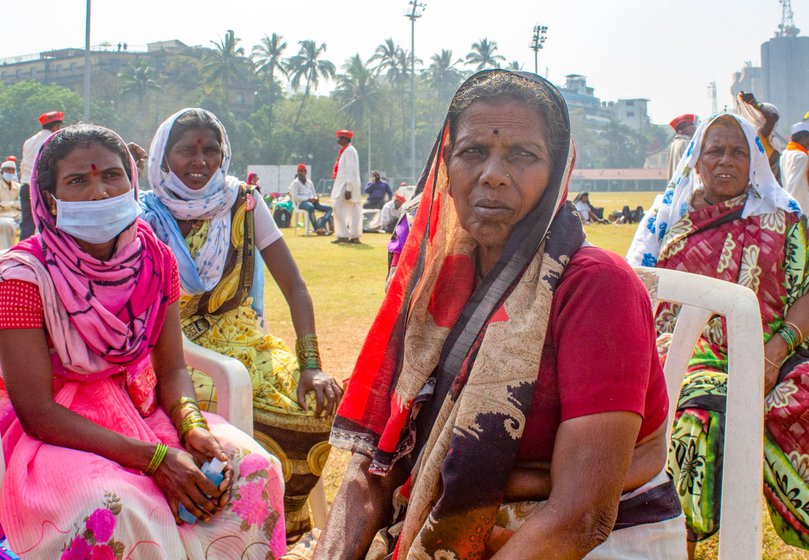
{"points": [[52, 116], [677, 122], [301, 167], [344, 134]]}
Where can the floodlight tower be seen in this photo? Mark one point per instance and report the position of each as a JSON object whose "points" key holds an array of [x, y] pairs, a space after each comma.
{"points": [[413, 13], [537, 42]]}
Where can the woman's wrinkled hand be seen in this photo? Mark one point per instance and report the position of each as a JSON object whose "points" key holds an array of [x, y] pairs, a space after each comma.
{"points": [[181, 481], [327, 391]]}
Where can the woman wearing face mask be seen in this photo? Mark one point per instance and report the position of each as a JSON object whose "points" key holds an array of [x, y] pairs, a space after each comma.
{"points": [[103, 439], [222, 234]]}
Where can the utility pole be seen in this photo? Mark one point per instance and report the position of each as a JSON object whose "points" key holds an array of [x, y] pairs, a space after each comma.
{"points": [[415, 11], [86, 116], [537, 42]]}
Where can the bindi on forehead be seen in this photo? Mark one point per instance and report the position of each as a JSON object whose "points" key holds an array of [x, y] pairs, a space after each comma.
{"points": [[496, 132], [94, 168]]}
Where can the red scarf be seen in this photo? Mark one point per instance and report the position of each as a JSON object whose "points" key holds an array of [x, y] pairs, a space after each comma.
{"points": [[337, 161]]}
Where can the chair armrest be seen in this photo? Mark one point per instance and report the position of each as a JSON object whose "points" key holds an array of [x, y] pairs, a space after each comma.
{"points": [[233, 387]]}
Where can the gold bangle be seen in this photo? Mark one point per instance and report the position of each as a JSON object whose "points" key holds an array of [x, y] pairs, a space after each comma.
{"points": [[191, 421], [773, 364], [157, 459], [180, 403], [797, 328], [308, 354]]}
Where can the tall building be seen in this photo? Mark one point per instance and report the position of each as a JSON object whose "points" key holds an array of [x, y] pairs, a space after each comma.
{"points": [[785, 77]]}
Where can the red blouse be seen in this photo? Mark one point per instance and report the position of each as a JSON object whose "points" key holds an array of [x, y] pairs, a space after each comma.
{"points": [[21, 306], [599, 354]]}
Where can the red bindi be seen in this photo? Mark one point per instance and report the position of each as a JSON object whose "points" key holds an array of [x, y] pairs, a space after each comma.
{"points": [[93, 167], [496, 131]]}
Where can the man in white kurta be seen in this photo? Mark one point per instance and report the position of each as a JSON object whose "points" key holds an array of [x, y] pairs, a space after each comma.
{"points": [[684, 127], [51, 122], [9, 204], [795, 165], [347, 191]]}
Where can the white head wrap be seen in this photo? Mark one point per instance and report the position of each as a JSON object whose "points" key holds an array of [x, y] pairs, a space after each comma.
{"points": [[765, 195], [214, 201]]}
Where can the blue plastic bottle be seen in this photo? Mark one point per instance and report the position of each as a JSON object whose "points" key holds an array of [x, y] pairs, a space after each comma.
{"points": [[213, 471]]}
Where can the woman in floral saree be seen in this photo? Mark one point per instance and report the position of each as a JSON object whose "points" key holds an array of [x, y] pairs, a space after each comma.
{"points": [[105, 441], [222, 234], [725, 216]]}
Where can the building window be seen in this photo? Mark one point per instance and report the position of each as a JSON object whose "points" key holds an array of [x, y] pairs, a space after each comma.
{"points": [[630, 114], [630, 103]]}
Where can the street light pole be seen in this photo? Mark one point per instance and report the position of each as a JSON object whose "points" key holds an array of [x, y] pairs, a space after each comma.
{"points": [[86, 116], [413, 15], [537, 42]]}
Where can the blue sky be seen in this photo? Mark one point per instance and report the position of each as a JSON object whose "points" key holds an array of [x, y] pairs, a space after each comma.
{"points": [[664, 50]]}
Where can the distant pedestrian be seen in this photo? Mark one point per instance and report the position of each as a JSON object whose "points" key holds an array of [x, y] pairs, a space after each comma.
{"points": [[303, 193], [684, 127], [347, 191], [378, 192], [795, 165], [764, 116], [51, 122], [9, 203], [391, 213]]}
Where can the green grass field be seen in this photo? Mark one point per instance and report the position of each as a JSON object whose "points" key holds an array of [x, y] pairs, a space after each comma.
{"points": [[347, 281]]}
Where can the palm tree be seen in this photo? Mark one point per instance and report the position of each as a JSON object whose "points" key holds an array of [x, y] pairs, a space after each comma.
{"points": [[482, 55], [514, 65], [307, 65], [138, 78], [442, 75], [359, 93], [267, 59], [394, 62], [226, 63], [357, 90]]}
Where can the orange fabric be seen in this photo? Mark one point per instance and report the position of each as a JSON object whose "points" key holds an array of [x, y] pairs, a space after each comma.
{"points": [[798, 147]]}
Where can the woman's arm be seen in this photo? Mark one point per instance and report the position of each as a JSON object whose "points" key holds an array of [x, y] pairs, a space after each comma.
{"points": [[776, 350], [27, 372], [178, 476], [591, 457], [285, 272], [363, 505], [648, 458]]}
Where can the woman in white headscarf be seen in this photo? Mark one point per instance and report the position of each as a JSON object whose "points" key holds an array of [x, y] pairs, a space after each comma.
{"points": [[217, 228], [724, 216]]}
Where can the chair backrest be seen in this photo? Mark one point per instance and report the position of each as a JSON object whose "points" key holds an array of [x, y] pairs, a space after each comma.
{"points": [[234, 401], [701, 298]]}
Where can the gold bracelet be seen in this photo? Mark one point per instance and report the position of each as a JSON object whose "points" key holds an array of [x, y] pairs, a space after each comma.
{"points": [[157, 459], [307, 352], [797, 328], [773, 364], [191, 421], [181, 403]]}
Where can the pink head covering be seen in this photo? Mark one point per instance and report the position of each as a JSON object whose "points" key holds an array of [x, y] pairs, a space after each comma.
{"points": [[117, 306]]}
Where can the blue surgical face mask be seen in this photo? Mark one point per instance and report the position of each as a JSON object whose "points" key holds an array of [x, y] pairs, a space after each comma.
{"points": [[8, 177], [97, 221]]}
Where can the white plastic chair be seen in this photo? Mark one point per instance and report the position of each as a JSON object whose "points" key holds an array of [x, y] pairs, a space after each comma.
{"points": [[235, 404], [701, 298], [301, 214]]}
